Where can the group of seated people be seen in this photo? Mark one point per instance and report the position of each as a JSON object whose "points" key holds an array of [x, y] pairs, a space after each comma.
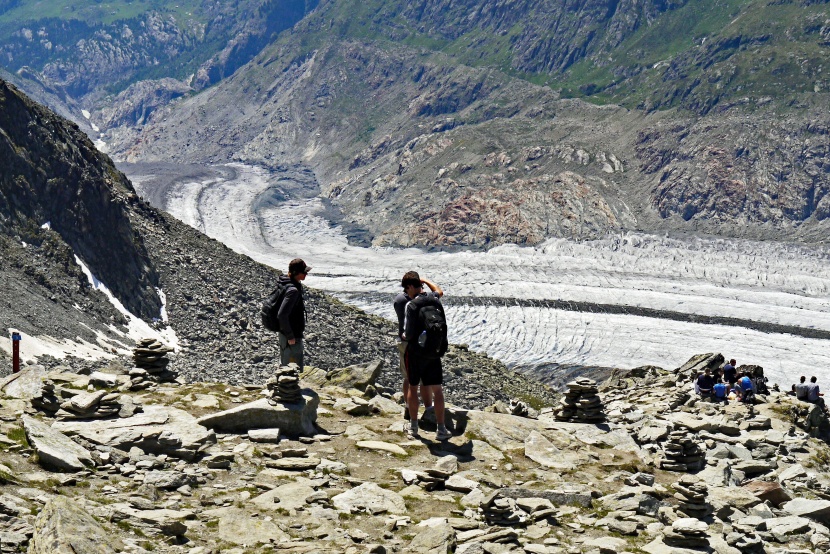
{"points": [[724, 382]]}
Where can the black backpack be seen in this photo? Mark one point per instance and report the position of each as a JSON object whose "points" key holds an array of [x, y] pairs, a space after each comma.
{"points": [[432, 343], [271, 308]]}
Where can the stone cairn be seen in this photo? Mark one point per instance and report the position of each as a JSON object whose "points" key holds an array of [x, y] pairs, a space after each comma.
{"points": [[581, 403], [682, 453], [284, 387], [687, 533], [47, 401], [502, 511], [150, 357], [90, 405], [691, 493]]}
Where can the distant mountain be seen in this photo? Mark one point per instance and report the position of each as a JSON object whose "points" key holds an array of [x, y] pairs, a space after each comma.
{"points": [[84, 51], [523, 120]]}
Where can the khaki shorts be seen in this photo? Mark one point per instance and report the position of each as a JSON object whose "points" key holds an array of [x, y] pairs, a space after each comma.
{"points": [[402, 351]]}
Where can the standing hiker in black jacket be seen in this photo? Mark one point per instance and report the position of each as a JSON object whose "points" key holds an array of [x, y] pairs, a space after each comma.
{"points": [[425, 331], [292, 315]]}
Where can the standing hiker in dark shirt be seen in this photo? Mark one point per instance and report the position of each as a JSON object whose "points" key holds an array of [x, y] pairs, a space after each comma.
{"points": [[426, 331], [400, 302], [292, 315], [730, 373]]}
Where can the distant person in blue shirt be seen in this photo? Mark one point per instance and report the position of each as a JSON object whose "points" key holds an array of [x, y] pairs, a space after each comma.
{"points": [[746, 389], [729, 372], [720, 391]]}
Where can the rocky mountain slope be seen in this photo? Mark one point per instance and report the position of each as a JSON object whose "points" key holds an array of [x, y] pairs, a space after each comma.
{"points": [[184, 468]]}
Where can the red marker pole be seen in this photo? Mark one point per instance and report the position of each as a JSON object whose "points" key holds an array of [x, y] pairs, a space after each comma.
{"points": [[15, 352]]}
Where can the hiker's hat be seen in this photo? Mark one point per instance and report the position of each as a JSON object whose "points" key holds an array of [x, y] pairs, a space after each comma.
{"points": [[298, 266]]}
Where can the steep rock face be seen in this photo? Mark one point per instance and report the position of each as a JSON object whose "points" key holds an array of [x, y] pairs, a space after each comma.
{"points": [[736, 170], [52, 174]]}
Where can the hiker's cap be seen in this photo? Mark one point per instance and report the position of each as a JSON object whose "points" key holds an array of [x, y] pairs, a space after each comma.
{"points": [[298, 266]]}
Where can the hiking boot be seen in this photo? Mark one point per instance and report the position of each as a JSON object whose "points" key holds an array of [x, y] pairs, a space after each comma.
{"points": [[429, 415], [411, 430], [443, 434]]}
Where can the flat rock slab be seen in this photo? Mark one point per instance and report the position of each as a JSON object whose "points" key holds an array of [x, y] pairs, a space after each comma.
{"points": [[293, 464], [289, 496], [382, 447], [264, 435], [157, 430], [236, 526], [86, 401], [63, 527], [292, 419], [504, 432], [813, 509], [370, 498], [544, 452], [162, 520], [768, 490], [54, 449], [603, 435], [26, 384], [556, 497]]}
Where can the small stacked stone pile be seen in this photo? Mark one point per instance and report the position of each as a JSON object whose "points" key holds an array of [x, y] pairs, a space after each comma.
{"points": [[581, 403], [90, 405], [687, 532], [692, 492], [502, 511], [47, 401], [151, 361], [682, 453], [285, 385], [426, 479]]}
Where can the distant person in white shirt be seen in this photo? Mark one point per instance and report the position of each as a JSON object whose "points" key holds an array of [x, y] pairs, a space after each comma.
{"points": [[813, 393], [801, 389]]}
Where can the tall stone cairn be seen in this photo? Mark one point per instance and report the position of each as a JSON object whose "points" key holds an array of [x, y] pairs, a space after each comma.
{"points": [[581, 403], [682, 453], [285, 385], [691, 493], [151, 361]]}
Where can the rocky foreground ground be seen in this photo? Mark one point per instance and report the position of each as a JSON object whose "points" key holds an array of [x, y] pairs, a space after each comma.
{"points": [[196, 468]]}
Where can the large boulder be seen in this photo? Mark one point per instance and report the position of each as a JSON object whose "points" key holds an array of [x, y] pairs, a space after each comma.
{"points": [[357, 376], [63, 527], [439, 539], [291, 419], [818, 510], [697, 363], [25, 384], [158, 430], [54, 449]]}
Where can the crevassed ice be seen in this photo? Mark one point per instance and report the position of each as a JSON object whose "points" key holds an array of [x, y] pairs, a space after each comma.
{"points": [[784, 284]]}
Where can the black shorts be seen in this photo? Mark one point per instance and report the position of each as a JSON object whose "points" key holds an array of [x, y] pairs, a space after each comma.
{"points": [[424, 371]]}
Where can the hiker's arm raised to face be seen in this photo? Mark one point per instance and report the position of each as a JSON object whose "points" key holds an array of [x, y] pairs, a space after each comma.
{"points": [[433, 287]]}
